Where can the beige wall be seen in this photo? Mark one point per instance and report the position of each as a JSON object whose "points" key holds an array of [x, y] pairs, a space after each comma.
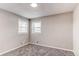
{"points": [[57, 31], [76, 30], [9, 36]]}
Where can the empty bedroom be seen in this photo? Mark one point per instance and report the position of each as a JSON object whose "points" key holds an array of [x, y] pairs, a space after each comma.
{"points": [[39, 29]]}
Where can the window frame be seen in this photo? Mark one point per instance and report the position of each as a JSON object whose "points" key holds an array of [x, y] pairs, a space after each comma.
{"points": [[20, 26], [33, 31]]}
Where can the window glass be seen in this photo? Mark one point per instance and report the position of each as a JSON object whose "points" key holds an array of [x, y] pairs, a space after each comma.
{"points": [[23, 26], [36, 27]]}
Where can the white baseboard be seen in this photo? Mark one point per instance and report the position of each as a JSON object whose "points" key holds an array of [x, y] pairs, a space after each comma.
{"points": [[35, 44], [13, 49], [52, 47]]}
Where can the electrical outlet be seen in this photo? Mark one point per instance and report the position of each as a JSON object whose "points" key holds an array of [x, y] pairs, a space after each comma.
{"points": [[37, 41]]}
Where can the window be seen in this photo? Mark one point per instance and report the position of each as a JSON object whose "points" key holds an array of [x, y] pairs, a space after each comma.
{"points": [[36, 27], [23, 25]]}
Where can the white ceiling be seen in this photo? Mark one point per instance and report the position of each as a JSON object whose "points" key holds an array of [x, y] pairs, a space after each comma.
{"points": [[43, 9]]}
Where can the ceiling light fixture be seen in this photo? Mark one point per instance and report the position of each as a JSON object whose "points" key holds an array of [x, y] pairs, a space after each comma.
{"points": [[33, 5]]}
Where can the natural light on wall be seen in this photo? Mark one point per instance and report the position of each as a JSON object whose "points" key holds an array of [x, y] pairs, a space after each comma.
{"points": [[22, 26], [36, 27]]}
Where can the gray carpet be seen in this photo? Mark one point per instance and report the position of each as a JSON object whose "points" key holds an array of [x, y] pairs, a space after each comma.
{"points": [[36, 50]]}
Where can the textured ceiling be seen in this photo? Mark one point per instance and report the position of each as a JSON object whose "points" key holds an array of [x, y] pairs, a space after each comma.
{"points": [[43, 9]]}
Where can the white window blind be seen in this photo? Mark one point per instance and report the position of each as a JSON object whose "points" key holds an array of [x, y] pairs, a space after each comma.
{"points": [[36, 27], [23, 26]]}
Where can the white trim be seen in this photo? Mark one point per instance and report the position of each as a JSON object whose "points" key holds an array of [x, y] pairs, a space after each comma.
{"points": [[13, 49], [52, 47], [35, 44]]}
